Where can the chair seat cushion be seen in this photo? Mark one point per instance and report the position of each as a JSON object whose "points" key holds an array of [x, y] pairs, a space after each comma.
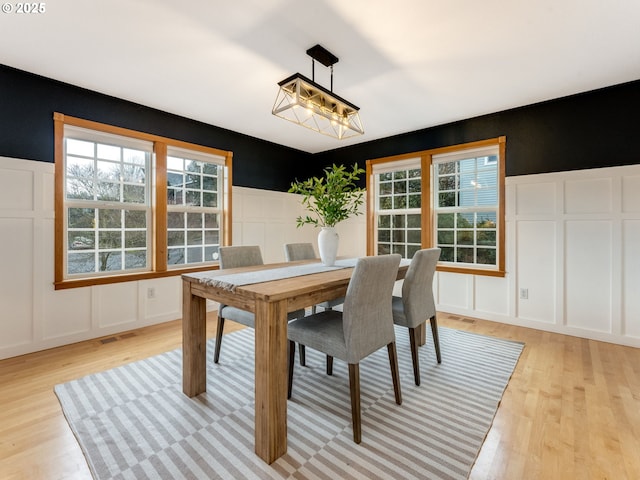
{"points": [[322, 331], [247, 318], [397, 308]]}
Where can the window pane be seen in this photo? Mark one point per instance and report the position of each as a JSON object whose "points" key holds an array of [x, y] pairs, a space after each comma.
{"points": [[414, 221], [81, 217], [109, 218], [211, 237], [110, 261], [486, 256], [109, 240], [175, 179], [135, 219], [464, 255], [175, 196], [399, 202], [400, 187], [80, 263], [209, 199], [194, 220], [137, 157], [194, 255], [79, 147], [446, 237], [109, 152], [80, 189], [464, 238], [385, 203], [133, 174], [134, 193], [135, 239], [447, 200], [108, 192], [386, 188], [384, 235], [446, 220], [211, 220], [175, 256], [175, 220], [136, 259], [487, 238], [193, 198], [414, 236], [194, 237], [175, 239], [81, 240], [384, 221]]}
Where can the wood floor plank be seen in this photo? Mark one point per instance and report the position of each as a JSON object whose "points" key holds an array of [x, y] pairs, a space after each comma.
{"points": [[571, 409]]}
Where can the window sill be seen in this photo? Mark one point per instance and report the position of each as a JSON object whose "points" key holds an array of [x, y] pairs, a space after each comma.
{"points": [[472, 271], [129, 277]]}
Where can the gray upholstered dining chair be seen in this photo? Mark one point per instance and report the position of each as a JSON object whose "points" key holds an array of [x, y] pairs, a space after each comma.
{"points": [[417, 305], [364, 326], [236, 257], [305, 251]]}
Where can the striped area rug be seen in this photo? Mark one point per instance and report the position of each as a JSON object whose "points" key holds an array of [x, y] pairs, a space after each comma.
{"points": [[133, 422]]}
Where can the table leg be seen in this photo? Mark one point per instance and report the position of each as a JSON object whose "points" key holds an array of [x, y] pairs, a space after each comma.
{"points": [[271, 380], [422, 334], [194, 342]]}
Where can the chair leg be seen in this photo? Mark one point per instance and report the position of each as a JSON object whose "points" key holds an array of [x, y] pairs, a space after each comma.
{"points": [[329, 365], [436, 337], [292, 356], [395, 372], [354, 387], [216, 354], [413, 340], [303, 356]]}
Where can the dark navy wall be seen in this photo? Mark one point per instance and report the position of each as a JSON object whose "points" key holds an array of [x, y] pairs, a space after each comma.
{"points": [[589, 130], [27, 103]]}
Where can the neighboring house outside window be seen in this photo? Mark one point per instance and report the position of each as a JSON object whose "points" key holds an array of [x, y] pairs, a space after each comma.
{"points": [[130, 205], [452, 198]]}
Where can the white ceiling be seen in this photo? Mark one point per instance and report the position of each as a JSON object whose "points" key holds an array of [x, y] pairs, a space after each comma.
{"points": [[408, 64]]}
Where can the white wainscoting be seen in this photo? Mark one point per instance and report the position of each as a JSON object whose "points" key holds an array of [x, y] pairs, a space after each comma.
{"points": [[34, 316], [573, 242]]}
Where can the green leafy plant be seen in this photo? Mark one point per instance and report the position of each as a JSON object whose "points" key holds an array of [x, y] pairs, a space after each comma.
{"points": [[332, 198]]}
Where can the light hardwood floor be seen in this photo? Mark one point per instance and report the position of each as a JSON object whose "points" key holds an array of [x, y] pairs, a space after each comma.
{"points": [[571, 410]]}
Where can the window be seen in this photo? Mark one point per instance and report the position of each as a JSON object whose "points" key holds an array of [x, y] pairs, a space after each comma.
{"points": [[398, 208], [466, 206], [452, 198], [131, 205], [193, 208]]}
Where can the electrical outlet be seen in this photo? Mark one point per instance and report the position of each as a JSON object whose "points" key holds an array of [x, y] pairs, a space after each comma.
{"points": [[151, 292], [524, 293]]}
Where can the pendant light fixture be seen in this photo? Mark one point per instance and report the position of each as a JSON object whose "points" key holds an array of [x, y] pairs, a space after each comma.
{"points": [[306, 103]]}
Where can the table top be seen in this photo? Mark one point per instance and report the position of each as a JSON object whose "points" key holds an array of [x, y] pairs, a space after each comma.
{"points": [[316, 284]]}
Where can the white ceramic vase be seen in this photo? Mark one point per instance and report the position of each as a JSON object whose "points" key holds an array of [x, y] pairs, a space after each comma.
{"points": [[328, 245]]}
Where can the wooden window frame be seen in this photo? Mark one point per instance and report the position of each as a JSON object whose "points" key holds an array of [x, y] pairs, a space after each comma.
{"points": [[159, 267], [426, 162]]}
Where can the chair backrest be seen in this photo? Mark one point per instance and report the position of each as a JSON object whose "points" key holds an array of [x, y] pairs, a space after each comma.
{"points": [[240, 256], [299, 251], [367, 316], [417, 289]]}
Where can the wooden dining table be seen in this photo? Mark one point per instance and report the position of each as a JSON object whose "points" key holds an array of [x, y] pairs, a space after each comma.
{"points": [[270, 301]]}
